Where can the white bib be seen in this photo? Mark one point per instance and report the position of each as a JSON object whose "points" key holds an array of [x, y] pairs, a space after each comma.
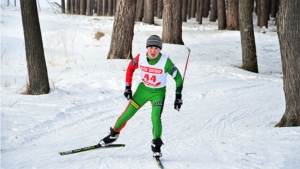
{"points": [[153, 76]]}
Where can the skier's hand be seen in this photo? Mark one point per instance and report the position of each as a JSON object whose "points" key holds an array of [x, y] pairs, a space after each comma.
{"points": [[128, 93], [178, 102]]}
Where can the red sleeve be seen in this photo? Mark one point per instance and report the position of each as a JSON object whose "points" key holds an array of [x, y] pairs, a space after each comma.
{"points": [[134, 64]]}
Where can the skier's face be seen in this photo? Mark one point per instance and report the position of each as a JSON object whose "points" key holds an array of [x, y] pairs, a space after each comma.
{"points": [[153, 51]]}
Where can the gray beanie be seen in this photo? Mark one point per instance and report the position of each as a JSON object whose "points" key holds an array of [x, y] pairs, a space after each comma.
{"points": [[154, 40]]}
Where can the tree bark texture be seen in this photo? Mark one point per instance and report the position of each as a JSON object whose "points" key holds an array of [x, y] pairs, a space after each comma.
{"points": [[206, 8], [63, 7], [139, 10], [184, 10], [200, 11], [221, 15], [148, 12], [213, 12], [82, 7], [247, 36], [232, 15], [99, 7], [264, 13], [288, 34], [123, 30], [172, 22], [36, 64], [110, 8], [160, 8]]}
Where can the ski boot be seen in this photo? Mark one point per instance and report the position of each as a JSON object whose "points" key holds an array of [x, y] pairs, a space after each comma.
{"points": [[155, 146], [112, 137]]}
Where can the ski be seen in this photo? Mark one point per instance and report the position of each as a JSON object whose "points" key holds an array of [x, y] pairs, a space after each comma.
{"points": [[157, 159], [97, 146]]}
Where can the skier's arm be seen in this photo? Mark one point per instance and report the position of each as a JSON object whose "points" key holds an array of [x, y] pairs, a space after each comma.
{"points": [[174, 72], [133, 64]]}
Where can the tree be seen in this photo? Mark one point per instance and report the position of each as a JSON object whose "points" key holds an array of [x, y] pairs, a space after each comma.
{"points": [[63, 6], [123, 29], [148, 12], [288, 34], [184, 10], [232, 15], [160, 8], [221, 15], [213, 12], [36, 64], [200, 11], [247, 36], [264, 13], [139, 10], [172, 22]]}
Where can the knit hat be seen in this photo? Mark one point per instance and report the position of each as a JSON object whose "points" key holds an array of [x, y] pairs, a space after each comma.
{"points": [[154, 40]]}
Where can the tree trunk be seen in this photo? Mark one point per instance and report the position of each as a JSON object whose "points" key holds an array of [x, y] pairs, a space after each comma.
{"points": [[264, 13], [200, 11], [214, 11], [123, 29], [36, 64], [139, 10], [63, 6], [104, 7], [206, 6], [193, 9], [77, 7], [258, 11], [221, 15], [148, 12], [110, 7], [82, 7], [288, 34], [184, 10], [247, 36], [159, 9], [172, 22], [88, 8], [99, 8], [232, 15], [274, 8]]}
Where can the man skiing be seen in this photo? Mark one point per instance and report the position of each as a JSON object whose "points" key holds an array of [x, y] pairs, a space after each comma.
{"points": [[154, 68]]}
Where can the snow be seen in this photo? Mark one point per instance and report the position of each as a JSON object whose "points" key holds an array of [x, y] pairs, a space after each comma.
{"points": [[226, 121]]}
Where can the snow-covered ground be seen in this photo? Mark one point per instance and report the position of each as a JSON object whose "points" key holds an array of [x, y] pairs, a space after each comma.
{"points": [[226, 121]]}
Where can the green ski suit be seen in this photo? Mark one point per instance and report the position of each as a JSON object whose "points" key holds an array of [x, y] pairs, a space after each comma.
{"points": [[145, 93]]}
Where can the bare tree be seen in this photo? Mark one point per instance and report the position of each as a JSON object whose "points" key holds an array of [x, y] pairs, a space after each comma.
{"points": [[63, 6], [172, 22], [247, 36], [99, 7], [36, 64], [288, 34], [121, 40], [148, 12], [110, 7], [221, 15], [160, 8], [264, 13], [214, 12], [139, 10], [200, 11], [184, 10], [232, 15]]}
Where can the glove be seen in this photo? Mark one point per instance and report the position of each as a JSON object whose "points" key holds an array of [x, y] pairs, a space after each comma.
{"points": [[178, 102], [128, 93]]}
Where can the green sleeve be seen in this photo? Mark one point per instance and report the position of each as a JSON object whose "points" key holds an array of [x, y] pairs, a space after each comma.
{"points": [[175, 73]]}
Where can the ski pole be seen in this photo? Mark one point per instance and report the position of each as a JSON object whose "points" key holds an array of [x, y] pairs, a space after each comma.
{"points": [[187, 60]]}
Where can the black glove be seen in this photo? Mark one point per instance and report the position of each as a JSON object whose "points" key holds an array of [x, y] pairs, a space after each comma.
{"points": [[128, 93], [178, 102]]}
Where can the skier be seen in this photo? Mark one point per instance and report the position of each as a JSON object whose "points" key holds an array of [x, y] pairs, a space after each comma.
{"points": [[153, 67]]}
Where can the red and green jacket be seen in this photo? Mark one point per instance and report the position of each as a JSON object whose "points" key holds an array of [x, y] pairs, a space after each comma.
{"points": [[169, 68]]}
